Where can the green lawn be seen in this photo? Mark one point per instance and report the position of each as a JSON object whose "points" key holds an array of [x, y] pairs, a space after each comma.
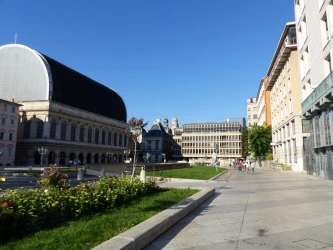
{"points": [[193, 172], [92, 230]]}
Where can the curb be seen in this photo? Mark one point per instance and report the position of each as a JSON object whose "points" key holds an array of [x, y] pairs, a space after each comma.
{"points": [[142, 234], [216, 176]]}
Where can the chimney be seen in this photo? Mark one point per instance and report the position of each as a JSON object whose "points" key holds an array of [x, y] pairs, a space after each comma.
{"points": [[12, 99]]}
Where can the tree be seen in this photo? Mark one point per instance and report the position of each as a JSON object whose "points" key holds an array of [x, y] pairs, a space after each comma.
{"points": [[260, 138], [133, 131], [245, 142]]}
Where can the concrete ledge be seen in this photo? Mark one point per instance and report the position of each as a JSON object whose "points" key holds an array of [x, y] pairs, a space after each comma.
{"points": [[142, 234], [216, 176]]}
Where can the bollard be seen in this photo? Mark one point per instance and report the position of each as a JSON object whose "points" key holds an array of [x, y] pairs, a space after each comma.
{"points": [[143, 174], [80, 174], [103, 173]]}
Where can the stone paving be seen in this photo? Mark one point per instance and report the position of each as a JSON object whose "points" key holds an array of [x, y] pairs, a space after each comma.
{"points": [[267, 210]]}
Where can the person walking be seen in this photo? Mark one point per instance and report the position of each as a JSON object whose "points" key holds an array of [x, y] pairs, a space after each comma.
{"points": [[252, 167], [240, 165]]}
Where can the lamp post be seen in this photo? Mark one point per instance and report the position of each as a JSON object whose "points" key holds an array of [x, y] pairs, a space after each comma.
{"points": [[110, 157], [42, 151], [127, 152]]}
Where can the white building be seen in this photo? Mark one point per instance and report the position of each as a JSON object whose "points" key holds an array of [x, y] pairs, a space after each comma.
{"points": [[252, 111], [314, 25]]}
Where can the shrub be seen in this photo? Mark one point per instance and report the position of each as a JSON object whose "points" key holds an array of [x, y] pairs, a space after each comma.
{"points": [[26, 211], [269, 156], [54, 178]]}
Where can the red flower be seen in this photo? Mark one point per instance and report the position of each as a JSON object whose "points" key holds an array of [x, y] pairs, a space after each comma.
{"points": [[5, 204]]}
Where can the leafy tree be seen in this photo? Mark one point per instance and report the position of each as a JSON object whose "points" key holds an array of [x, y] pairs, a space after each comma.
{"points": [[133, 131], [260, 138], [245, 142]]}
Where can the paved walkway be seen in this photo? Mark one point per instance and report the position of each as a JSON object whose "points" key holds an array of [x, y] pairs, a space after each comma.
{"points": [[267, 210]]}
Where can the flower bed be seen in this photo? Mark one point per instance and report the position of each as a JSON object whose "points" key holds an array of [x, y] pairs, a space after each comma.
{"points": [[26, 211]]}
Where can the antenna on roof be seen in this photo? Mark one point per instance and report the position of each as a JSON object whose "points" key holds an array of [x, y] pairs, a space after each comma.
{"points": [[15, 37]]}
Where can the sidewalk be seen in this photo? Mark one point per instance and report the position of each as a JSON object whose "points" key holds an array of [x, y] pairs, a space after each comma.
{"points": [[267, 210]]}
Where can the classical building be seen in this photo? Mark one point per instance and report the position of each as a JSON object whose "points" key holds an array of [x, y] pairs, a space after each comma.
{"points": [[63, 111], [263, 104], [314, 26], [284, 85], [158, 143], [9, 114], [200, 140], [252, 111]]}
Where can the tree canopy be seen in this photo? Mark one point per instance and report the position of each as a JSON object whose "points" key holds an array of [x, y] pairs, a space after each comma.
{"points": [[259, 139]]}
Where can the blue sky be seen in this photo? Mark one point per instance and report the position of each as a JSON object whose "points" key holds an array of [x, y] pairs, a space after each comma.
{"points": [[198, 60]]}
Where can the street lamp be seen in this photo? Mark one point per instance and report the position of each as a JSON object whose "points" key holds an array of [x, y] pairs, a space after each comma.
{"points": [[110, 157], [42, 151], [127, 152]]}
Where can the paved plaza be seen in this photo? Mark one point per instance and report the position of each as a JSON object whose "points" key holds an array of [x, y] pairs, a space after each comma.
{"points": [[267, 210]]}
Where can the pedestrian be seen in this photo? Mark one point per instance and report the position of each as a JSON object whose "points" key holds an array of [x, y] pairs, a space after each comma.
{"points": [[240, 165], [244, 165], [252, 167]]}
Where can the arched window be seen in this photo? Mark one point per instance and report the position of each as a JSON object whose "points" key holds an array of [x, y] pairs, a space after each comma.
{"points": [[90, 135], [26, 130], [97, 136], [63, 133], [53, 129], [39, 129], [103, 137], [73, 132], [115, 139], [109, 138], [81, 134]]}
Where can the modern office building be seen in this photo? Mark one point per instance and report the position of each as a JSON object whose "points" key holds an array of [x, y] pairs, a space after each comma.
{"points": [[240, 120], [200, 140], [252, 111], [263, 103], [70, 115], [9, 115], [314, 26], [284, 85]]}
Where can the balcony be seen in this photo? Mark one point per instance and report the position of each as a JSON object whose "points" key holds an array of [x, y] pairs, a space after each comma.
{"points": [[320, 98], [288, 45]]}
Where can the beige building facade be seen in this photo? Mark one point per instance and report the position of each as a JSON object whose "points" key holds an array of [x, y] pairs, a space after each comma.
{"points": [[252, 111], [9, 115], [201, 140], [284, 84]]}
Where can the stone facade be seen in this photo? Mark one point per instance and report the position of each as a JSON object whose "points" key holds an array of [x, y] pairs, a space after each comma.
{"points": [[68, 134], [9, 116]]}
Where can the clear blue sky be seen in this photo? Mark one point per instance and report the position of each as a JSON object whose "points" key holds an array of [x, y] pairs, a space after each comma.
{"points": [[199, 60]]}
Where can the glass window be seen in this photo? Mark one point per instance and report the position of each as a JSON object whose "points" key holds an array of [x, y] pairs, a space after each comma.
{"points": [[9, 151], [26, 130], [63, 131], [81, 134], [3, 121], [53, 129], [10, 136], [97, 136], [73, 132], [90, 135], [5, 107], [13, 109], [39, 129], [2, 135], [12, 122]]}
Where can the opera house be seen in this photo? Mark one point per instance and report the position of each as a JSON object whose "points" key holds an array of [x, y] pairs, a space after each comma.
{"points": [[64, 114]]}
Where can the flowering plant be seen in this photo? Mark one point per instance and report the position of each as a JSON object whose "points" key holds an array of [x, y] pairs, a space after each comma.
{"points": [[133, 131], [54, 178]]}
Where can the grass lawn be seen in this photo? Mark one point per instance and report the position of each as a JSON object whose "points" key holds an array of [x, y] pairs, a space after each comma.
{"points": [[193, 172], [91, 231]]}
